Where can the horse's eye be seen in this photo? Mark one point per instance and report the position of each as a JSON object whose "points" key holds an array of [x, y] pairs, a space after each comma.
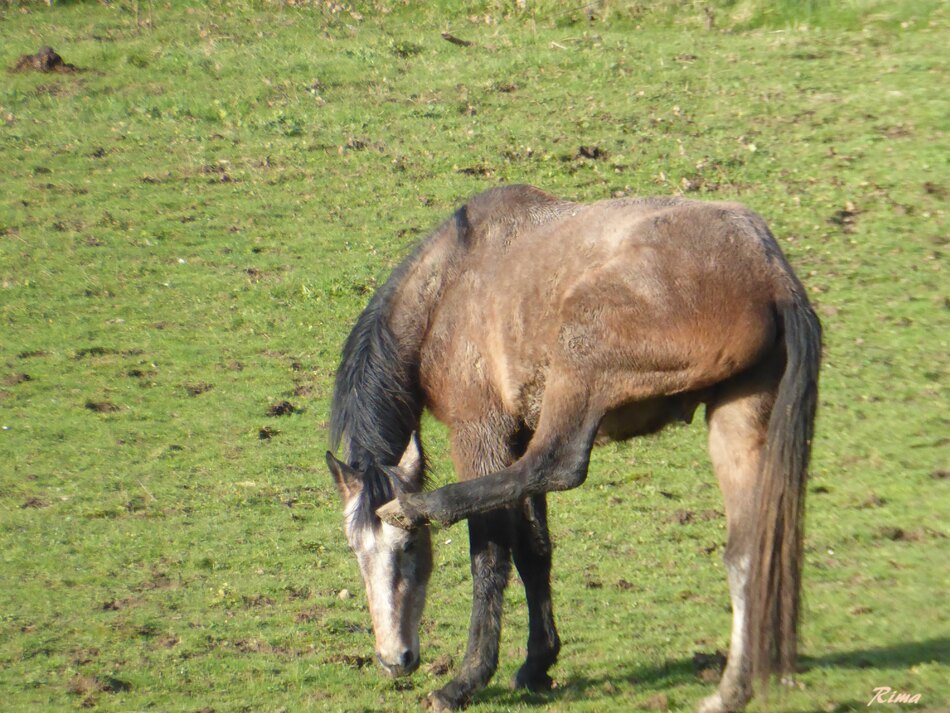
{"points": [[408, 546]]}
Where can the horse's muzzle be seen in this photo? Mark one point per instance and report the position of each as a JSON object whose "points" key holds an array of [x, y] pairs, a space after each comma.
{"points": [[408, 662]]}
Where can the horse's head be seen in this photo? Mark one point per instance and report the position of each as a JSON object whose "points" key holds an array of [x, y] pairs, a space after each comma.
{"points": [[395, 564]]}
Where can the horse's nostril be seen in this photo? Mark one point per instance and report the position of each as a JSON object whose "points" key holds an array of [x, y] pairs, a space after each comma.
{"points": [[406, 659]]}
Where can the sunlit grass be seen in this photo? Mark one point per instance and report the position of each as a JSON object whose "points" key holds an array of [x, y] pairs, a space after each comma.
{"points": [[190, 225]]}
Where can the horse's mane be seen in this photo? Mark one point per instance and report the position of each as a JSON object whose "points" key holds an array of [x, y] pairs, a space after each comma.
{"points": [[377, 399]]}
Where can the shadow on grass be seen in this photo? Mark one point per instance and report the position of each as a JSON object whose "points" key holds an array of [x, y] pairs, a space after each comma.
{"points": [[903, 655], [671, 674], [650, 679]]}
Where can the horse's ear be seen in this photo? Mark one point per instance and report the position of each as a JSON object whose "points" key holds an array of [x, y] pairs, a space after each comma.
{"points": [[410, 465], [348, 480]]}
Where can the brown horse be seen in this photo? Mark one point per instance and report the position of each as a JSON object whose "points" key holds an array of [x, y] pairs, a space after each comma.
{"points": [[534, 327]]}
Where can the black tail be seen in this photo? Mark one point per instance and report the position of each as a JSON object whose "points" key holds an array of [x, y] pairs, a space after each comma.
{"points": [[774, 584]]}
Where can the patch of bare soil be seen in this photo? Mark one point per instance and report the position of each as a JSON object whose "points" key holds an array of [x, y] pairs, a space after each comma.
{"points": [[88, 686], [594, 153], [101, 406], [46, 60], [14, 379], [166, 641], [120, 604], [354, 660], [659, 702], [36, 503], [198, 389], [440, 666], [284, 408], [266, 433], [311, 615], [708, 667]]}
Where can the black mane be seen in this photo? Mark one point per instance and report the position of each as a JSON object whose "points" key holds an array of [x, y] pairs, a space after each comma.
{"points": [[377, 400]]}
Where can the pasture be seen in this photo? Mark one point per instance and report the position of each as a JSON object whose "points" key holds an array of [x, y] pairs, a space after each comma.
{"points": [[191, 222]]}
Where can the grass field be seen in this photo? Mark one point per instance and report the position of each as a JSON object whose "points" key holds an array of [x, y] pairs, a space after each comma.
{"points": [[190, 224]]}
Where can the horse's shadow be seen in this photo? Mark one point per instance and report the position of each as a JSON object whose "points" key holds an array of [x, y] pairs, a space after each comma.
{"points": [[670, 674]]}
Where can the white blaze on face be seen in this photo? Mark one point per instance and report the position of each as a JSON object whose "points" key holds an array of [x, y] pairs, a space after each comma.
{"points": [[395, 564], [394, 594]]}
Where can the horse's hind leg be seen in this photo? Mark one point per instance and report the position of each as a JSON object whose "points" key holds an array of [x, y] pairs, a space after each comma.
{"points": [[738, 423], [532, 555]]}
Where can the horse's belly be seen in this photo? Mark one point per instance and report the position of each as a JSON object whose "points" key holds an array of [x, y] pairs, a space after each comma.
{"points": [[640, 418]]}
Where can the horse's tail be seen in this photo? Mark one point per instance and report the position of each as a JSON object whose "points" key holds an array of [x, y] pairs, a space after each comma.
{"points": [[774, 583]]}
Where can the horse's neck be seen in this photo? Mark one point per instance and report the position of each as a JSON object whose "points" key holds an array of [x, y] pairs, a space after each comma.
{"points": [[434, 267]]}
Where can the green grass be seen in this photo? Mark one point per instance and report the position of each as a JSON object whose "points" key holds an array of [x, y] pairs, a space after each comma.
{"points": [[190, 225]]}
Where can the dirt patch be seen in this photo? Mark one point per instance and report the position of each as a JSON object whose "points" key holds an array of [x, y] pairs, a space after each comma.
{"points": [[594, 153], [82, 685], [708, 667], [166, 641], [872, 501], [88, 686], [32, 355], [102, 406], [311, 615], [120, 604], [284, 408], [303, 389], [940, 474], [198, 389], [845, 218], [256, 600], [440, 666], [82, 656], [897, 534], [46, 60], [354, 660], [266, 433], [14, 379], [93, 352], [483, 170], [36, 503], [659, 702], [158, 580], [685, 517], [935, 189]]}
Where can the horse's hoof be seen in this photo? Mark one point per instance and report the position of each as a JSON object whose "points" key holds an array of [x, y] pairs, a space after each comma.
{"points": [[534, 682], [437, 703], [711, 704], [717, 704], [393, 513]]}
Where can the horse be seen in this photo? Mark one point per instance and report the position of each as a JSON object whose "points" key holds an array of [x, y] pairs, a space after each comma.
{"points": [[534, 328]]}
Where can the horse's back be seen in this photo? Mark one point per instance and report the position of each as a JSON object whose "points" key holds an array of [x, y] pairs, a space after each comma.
{"points": [[659, 296]]}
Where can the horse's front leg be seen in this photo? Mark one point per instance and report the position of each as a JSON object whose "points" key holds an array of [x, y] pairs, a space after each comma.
{"points": [[556, 459], [490, 548]]}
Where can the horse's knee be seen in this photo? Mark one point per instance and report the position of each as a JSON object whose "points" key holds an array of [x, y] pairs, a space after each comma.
{"points": [[569, 477]]}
